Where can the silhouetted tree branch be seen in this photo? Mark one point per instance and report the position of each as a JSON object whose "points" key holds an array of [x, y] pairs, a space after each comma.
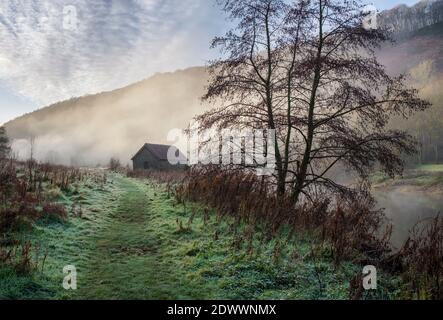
{"points": [[308, 70]]}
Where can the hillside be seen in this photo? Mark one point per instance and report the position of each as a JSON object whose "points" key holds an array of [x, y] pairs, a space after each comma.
{"points": [[91, 127], [424, 46], [404, 20]]}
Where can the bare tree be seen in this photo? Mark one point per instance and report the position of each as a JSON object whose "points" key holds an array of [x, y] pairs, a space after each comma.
{"points": [[349, 100], [308, 70], [31, 148], [262, 53], [114, 164]]}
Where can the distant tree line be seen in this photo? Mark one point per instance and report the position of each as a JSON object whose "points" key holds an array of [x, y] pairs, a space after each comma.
{"points": [[427, 127], [5, 148]]}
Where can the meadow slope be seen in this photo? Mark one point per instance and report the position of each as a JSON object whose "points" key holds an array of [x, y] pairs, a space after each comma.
{"points": [[132, 241]]}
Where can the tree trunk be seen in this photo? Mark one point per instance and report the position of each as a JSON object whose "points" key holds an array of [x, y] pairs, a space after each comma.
{"points": [[281, 176], [301, 176]]}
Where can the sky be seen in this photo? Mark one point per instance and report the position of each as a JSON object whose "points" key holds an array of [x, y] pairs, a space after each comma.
{"points": [[53, 50]]}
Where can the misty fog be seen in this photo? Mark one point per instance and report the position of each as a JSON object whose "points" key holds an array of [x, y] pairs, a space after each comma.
{"points": [[92, 129]]}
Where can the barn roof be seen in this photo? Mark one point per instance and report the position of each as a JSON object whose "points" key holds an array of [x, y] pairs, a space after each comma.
{"points": [[160, 151]]}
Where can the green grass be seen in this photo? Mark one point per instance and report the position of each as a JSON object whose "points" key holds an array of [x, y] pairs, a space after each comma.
{"points": [[424, 177], [133, 242], [431, 167]]}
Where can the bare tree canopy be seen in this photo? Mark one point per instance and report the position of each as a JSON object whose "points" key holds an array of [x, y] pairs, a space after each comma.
{"points": [[308, 70]]}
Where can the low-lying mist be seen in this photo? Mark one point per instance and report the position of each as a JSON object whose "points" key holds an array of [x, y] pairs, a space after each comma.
{"points": [[88, 131], [92, 129]]}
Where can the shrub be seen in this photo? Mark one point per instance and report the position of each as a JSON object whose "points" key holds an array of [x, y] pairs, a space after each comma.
{"points": [[54, 193], [55, 212], [115, 165], [350, 225], [23, 199], [422, 260]]}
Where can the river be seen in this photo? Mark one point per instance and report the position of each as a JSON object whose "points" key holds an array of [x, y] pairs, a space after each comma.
{"points": [[405, 209]]}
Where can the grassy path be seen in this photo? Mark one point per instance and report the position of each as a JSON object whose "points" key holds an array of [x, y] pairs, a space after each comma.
{"points": [[125, 259], [148, 249], [131, 256], [134, 242]]}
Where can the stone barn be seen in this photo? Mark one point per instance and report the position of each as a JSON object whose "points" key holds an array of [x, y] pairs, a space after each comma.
{"points": [[155, 157]]}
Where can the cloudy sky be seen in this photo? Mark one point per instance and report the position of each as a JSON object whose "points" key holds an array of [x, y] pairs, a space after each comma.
{"points": [[51, 50]]}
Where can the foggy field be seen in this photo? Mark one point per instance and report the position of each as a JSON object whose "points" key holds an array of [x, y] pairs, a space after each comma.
{"points": [[425, 178], [134, 242], [301, 160], [431, 167]]}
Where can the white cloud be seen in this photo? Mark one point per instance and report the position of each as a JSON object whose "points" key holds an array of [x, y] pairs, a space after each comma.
{"points": [[115, 43]]}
